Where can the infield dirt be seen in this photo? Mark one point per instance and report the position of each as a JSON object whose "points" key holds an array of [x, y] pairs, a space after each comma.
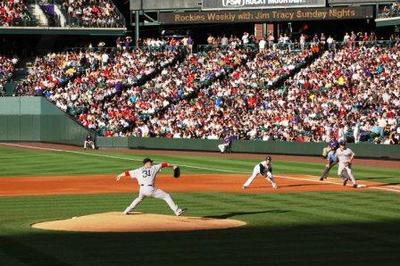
{"points": [[98, 184]]}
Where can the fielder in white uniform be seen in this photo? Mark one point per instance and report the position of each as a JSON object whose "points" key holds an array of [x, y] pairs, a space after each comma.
{"points": [[264, 168], [345, 157], [146, 176]]}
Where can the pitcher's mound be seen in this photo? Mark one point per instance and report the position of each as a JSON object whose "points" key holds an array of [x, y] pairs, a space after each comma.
{"points": [[138, 222]]}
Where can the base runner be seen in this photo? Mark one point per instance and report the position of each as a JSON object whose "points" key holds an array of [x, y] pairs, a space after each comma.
{"points": [[146, 176], [264, 168], [345, 157]]}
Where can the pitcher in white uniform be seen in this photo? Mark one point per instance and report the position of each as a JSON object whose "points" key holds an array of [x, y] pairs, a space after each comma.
{"points": [[264, 168], [146, 176], [345, 157]]}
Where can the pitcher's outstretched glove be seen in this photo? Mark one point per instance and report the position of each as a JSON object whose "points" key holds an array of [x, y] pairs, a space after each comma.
{"points": [[177, 172]]}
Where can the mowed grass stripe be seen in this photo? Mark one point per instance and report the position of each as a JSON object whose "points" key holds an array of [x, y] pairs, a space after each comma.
{"points": [[63, 163], [271, 237]]}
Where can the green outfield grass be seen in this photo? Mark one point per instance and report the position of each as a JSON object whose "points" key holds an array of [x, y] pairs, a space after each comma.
{"points": [[348, 228], [303, 229], [26, 162]]}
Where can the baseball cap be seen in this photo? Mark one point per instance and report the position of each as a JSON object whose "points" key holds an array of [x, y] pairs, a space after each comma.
{"points": [[268, 158], [146, 160], [342, 142], [333, 144]]}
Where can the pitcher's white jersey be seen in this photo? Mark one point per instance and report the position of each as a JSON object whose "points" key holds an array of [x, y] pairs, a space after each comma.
{"points": [[146, 176]]}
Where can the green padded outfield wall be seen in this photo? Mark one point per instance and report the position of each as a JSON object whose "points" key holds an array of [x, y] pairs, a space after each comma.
{"points": [[363, 150], [36, 119], [114, 142]]}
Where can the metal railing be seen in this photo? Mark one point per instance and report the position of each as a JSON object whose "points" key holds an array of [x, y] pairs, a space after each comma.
{"points": [[292, 46]]}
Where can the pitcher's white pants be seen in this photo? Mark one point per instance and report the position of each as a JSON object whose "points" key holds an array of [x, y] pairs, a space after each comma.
{"points": [[148, 191], [256, 172]]}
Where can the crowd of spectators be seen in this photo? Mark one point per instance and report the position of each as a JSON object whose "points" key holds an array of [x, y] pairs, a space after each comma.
{"points": [[351, 92], [13, 13], [78, 81], [7, 67], [238, 105], [93, 13], [391, 11], [50, 72], [126, 113], [233, 41]]}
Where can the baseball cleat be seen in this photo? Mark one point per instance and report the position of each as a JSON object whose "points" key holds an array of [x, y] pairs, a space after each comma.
{"points": [[345, 181], [355, 186], [274, 185], [179, 212], [127, 213], [321, 179], [245, 187]]}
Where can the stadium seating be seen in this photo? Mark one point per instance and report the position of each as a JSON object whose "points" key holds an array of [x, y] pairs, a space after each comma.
{"points": [[390, 11], [14, 13], [350, 92], [7, 68], [77, 81], [238, 105], [92, 13], [128, 111]]}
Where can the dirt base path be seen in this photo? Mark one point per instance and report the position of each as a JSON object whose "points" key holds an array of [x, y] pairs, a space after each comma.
{"points": [[99, 184], [138, 222]]}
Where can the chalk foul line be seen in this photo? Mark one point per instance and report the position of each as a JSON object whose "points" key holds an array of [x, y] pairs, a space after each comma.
{"points": [[311, 179]]}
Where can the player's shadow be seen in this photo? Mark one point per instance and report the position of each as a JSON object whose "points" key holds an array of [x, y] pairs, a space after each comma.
{"points": [[231, 214]]}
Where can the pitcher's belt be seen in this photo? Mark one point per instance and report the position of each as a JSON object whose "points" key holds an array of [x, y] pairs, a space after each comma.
{"points": [[142, 185]]}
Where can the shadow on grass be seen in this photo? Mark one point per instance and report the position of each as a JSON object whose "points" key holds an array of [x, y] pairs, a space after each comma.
{"points": [[232, 214], [330, 244]]}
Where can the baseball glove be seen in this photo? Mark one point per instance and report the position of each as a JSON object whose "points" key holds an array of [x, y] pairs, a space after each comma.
{"points": [[177, 172]]}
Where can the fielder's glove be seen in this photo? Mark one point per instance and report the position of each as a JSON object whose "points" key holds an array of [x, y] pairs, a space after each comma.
{"points": [[177, 172]]}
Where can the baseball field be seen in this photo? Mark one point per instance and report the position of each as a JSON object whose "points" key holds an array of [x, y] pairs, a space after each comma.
{"points": [[304, 222]]}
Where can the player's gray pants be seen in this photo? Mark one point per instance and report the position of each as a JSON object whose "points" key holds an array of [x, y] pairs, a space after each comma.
{"points": [[88, 143], [256, 171], [325, 173], [347, 173], [155, 193]]}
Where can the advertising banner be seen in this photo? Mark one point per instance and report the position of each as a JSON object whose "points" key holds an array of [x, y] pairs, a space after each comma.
{"points": [[301, 14]]}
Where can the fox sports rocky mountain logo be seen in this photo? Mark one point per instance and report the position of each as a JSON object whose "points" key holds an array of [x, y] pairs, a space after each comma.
{"points": [[233, 3]]}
